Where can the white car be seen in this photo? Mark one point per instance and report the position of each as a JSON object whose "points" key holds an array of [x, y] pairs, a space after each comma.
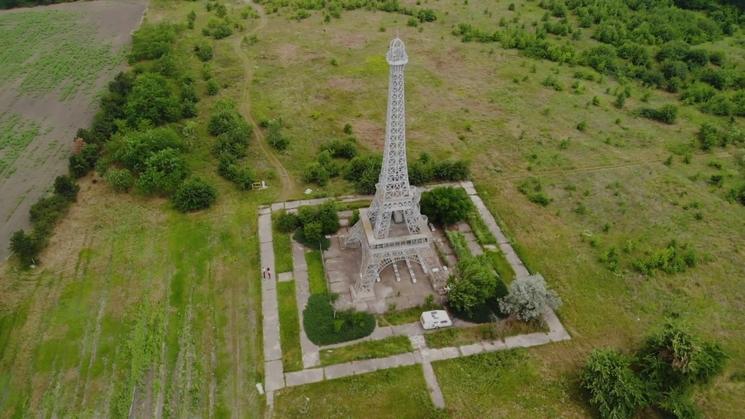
{"points": [[435, 319]]}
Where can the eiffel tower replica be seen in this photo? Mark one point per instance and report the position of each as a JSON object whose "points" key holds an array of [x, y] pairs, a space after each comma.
{"points": [[393, 229]]}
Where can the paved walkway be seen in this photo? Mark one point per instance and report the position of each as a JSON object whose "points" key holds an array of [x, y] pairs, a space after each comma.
{"points": [[311, 357], [273, 370]]}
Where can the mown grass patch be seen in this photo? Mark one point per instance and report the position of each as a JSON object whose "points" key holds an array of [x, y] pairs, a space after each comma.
{"points": [[366, 350], [289, 327], [15, 135], [391, 393], [456, 336], [282, 243], [407, 315], [500, 264], [316, 274]]}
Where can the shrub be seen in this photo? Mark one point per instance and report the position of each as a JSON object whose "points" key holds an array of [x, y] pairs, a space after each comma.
{"points": [[274, 135], [218, 29], [25, 246], [230, 169], [528, 298], [615, 391], [364, 172], [193, 195], [340, 149], [82, 163], [66, 187], [708, 136], [446, 205], [225, 118], [152, 100], [673, 258], [475, 292], [285, 222], [203, 51], [151, 42], [133, 149], [532, 188], [673, 359], [315, 173], [666, 114], [324, 326], [46, 212], [164, 171], [121, 180], [325, 214], [213, 88]]}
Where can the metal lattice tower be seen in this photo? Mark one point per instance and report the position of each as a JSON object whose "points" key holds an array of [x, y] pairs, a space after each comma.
{"points": [[395, 199]]}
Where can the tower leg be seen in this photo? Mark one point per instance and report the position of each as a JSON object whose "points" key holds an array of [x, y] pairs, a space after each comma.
{"points": [[363, 288]]}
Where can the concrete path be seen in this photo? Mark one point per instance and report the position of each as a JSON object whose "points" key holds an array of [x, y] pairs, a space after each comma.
{"points": [[311, 357], [433, 387], [273, 370]]}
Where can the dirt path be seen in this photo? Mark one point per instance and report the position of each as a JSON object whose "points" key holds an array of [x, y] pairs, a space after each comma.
{"points": [[288, 184]]}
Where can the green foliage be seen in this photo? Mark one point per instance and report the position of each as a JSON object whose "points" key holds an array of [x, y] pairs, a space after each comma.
{"points": [[203, 51], [164, 171], [314, 223], [364, 171], [532, 188], [425, 169], [289, 326], [285, 222], [66, 187], [46, 212], [230, 169], [446, 205], [324, 326], [274, 135], [316, 273], [136, 147], [666, 114], [213, 87], [193, 195], [340, 148], [614, 390], [366, 350], [153, 100], [528, 298], [121, 180], [26, 247], [217, 29], [82, 163], [315, 173], [152, 42], [475, 292], [673, 258]]}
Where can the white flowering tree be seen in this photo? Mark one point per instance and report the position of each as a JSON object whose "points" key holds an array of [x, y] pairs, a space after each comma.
{"points": [[528, 298]]}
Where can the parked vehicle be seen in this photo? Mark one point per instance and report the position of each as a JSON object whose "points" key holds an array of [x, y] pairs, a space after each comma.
{"points": [[435, 319]]}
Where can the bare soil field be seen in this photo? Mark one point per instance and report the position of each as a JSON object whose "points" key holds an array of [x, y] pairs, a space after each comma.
{"points": [[60, 57]]}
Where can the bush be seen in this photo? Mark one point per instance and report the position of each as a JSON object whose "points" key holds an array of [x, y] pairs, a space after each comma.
{"points": [[528, 298], [274, 135], [203, 51], [152, 100], [230, 169], [66, 187], [671, 259], [446, 205], [324, 326], [532, 188], [666, 114], [615, 391], [708, 136], [133, 149], [364, 172], [25, 246], [218, 29], [674, 359], [225, 118], [213, 88], [315, 173], [285, 222], [82, 163], [475, 292], [340, 149], [152, 42], [193, 195], [164, 171], [121, 180]]}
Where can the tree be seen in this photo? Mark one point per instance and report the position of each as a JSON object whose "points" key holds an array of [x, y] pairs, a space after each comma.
{"points": [[203, 51], [152, 42], [133, 149], [286, 222], [121, 180], [446, 205], [615, 391], [315, 173], [193, 195], [528, 298], [312, 233], [65, 186], [152, 100], [475, 290], [25, 246], [164, 171]]}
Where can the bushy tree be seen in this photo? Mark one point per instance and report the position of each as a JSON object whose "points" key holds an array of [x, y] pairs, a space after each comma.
{"points": [[285, 222], [340, 148], [153, 100], [364, 171], [274, 135], [67, 187], [315, 173], [446, 205], [164, 171], [475, 290], [528, 298], [133, 149], [152, 41], [203, 51], [614, 390], [193, 195], [82, 163], [25, 246], [218, 29]]}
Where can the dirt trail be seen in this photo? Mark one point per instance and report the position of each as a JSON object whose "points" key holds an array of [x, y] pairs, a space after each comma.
{"points": [[288, 184]]}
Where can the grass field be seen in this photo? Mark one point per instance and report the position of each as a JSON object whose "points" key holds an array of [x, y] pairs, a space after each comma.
{"points": [[316, 275], [366, 350], [16, 134], [182, 290], [393, 393], [457, 336], [282, 243], [289, 327]]}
